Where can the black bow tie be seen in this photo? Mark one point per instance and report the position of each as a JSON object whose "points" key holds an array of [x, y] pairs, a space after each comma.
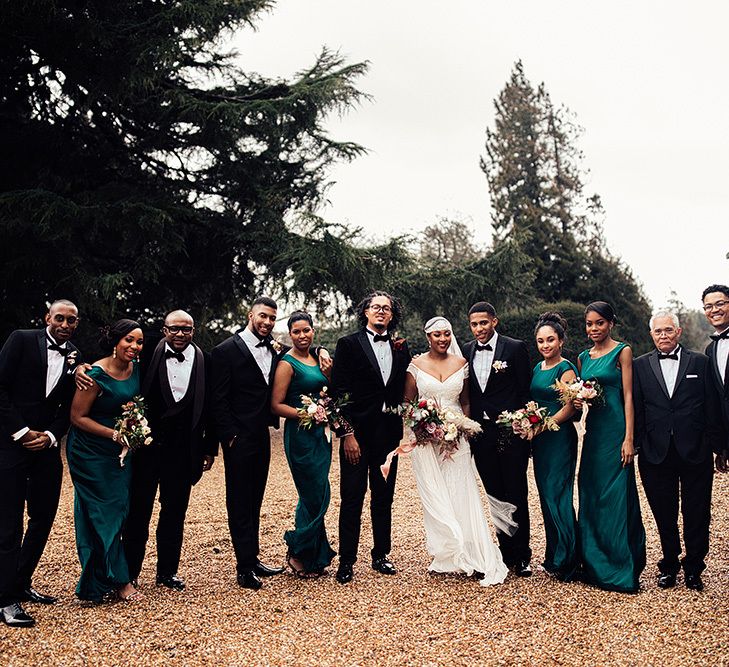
{"points": [[723, 334], [662, 356], [378, 337], [52, 345], [264, 342], [169, 354], [481, 348]]}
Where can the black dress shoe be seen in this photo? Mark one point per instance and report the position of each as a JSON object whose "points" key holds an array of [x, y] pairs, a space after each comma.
{"points": [[523, 569], [14, 615], [345, 573], [266, 570], [693, 581], [249, 580], [171, 581], [32, 595], [666, 580], [383, 565]]}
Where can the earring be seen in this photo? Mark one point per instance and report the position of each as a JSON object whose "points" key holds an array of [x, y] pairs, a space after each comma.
{"points": [[113, 354]]}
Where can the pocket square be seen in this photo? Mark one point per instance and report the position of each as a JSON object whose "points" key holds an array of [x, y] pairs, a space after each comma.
{"points": [[691, 377], [486, 417]]}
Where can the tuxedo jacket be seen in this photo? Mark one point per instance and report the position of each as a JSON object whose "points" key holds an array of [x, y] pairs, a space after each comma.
{"points": [[721, 388], [241, 397], [187, 422], [23, 401], [691, 416], [355, 372], [505, 390]]}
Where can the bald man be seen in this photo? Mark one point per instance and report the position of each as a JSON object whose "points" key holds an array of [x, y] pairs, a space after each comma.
{"points": [[174, 384]]}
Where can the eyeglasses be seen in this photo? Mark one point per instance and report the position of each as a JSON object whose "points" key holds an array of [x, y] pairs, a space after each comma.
{"points": [[175, 329], [71, 319], [376, 307], [708, 307]]}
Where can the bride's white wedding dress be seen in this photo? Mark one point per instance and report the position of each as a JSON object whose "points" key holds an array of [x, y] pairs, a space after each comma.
{"points": [[457, 534]]}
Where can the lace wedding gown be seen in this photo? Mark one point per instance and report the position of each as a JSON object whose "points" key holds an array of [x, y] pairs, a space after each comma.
{"points": [[457, 534]]}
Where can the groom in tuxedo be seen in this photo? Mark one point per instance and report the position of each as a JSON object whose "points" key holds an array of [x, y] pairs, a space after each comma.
{"points": [[499, 379], [36, 388], [677, 425], [174, 385], [716, 308], [369, 368]]}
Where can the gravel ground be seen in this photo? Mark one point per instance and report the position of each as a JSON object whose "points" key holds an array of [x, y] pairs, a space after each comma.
{"points": [[414, 618]]}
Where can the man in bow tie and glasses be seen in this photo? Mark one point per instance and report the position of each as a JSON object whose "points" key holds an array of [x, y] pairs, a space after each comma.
{"points": [[36, 388], [677, 426], [243, 369], [499, 377], [369, 368]]}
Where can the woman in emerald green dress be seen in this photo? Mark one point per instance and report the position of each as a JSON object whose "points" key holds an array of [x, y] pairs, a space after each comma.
{"points": [[612, 538], [555, 452], [101, 483], [308, 451]]}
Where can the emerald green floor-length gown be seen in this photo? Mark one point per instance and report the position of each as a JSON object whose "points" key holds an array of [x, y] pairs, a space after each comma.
{"points": [[555, 459], [309, 454], [101, 500], [612, 538]]}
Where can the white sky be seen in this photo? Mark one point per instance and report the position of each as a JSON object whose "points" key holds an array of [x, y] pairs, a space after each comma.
{"points": [[647, 81]]}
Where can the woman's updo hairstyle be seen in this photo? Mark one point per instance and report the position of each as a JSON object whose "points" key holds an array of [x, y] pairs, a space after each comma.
{"points": [[603, 309], [111, 335], [553, 320], [299, 315]]}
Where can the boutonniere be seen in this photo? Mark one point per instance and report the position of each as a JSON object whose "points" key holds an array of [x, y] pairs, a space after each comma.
{"points": [[276, 346], [398, 343], [72, 360], [499, 366]]}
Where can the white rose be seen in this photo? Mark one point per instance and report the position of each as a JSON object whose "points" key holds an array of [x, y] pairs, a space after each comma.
{"points": [[147, 441], [311, 409]]}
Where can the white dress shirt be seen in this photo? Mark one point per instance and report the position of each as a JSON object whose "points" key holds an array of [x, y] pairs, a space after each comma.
{"points": [[722, 354], [263, 354], [53, 375], [179, 372], [483, 361], [669, 368], [383, 354]]}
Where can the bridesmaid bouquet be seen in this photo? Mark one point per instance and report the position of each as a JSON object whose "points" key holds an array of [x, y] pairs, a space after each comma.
{"points": [[131, 429], [528, 422], [322, 411], [588, 391], [430, 425]]}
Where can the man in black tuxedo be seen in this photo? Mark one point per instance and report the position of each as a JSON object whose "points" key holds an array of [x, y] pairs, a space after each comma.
{"points": [[499, 379], [174, 385], [36, 388], [370, 368], [716, 308], [677, 425], [243, 369]]}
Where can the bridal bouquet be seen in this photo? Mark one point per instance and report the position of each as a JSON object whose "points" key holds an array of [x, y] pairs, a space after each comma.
{"points": [[429, 424], [588, 391], [528, 422], [323, 410], [131, 429]]}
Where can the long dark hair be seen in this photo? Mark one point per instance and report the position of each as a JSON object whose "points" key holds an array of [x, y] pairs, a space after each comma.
{"points": [[365, 304], [111, 335]]}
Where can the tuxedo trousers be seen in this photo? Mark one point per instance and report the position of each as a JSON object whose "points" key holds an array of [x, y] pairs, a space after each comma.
{"points": [[164, 466], [664, 483], [502, 466], [353, 488], [246, 474], [33, 482]]}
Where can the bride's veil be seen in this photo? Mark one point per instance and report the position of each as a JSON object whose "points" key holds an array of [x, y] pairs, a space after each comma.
{"points": [[502, 512]]}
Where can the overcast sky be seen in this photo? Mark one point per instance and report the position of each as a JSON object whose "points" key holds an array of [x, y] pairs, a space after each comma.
{"points": [[647, 81]]}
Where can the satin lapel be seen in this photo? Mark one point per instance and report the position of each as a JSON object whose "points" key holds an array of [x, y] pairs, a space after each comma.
{"points": [[656, 368], [370, 353], [164, 384], [274, 362], [712, 354], [199, 397], [247, 353], [43, 349], [682, 366], [154, 362], [498, 354]]}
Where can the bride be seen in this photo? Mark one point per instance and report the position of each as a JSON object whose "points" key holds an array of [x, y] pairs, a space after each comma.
{"points": [[457, 534]]}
